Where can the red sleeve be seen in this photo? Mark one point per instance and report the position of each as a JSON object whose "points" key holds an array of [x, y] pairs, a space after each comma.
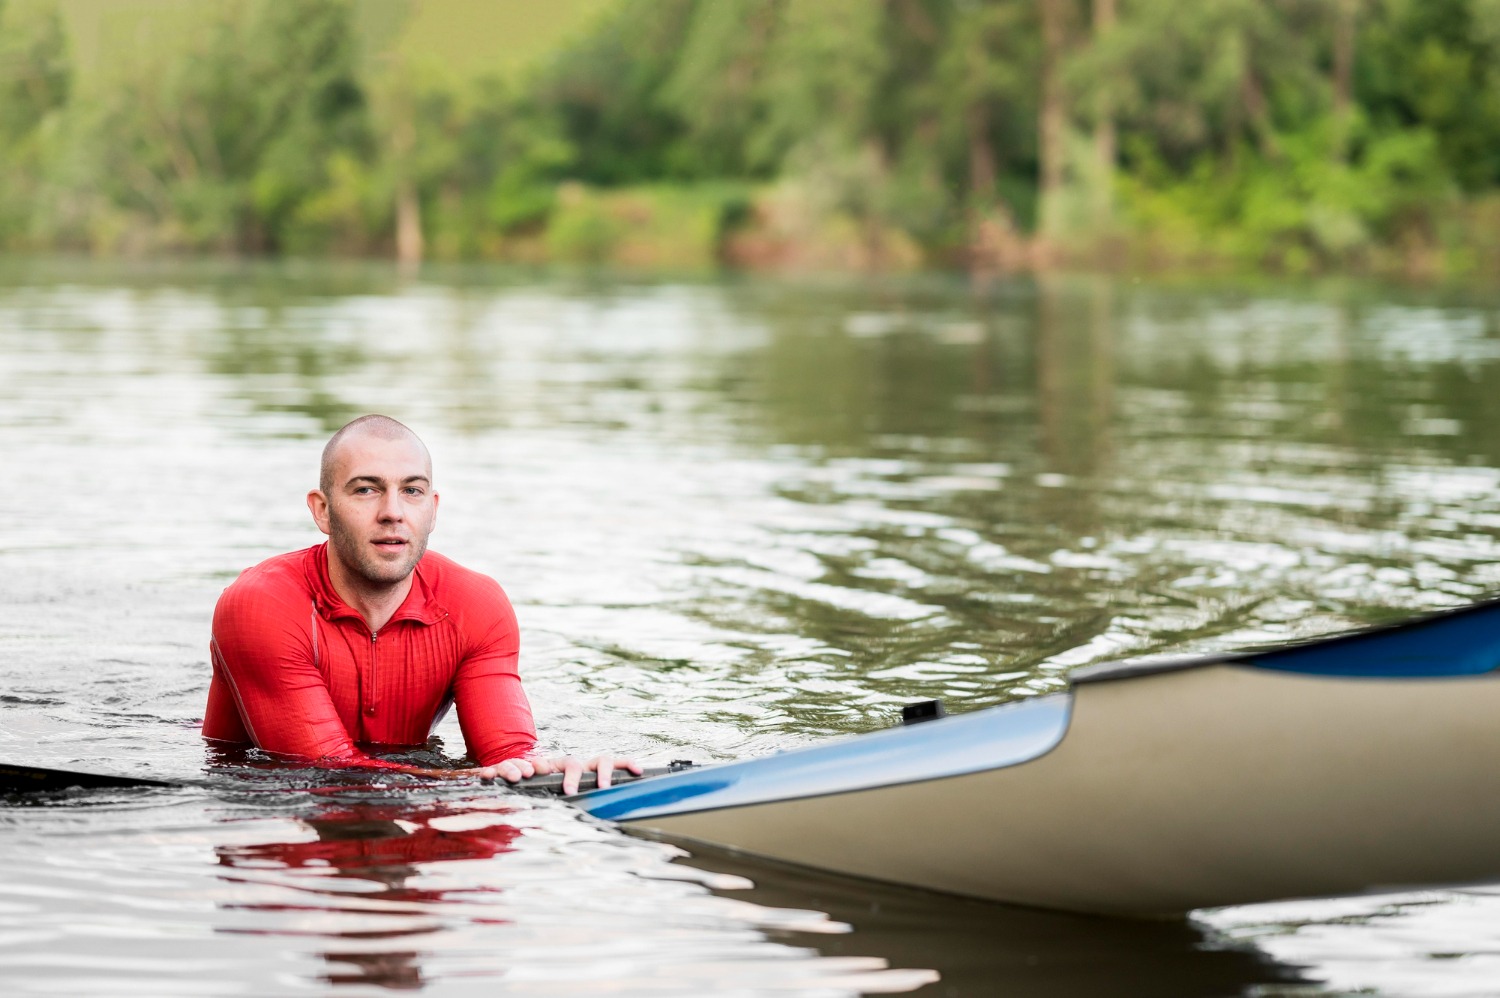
{"points": [[492, 708], [263, 655]]}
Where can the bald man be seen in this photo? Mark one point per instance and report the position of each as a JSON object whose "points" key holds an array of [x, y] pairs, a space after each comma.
{"points": [[366, 640]]}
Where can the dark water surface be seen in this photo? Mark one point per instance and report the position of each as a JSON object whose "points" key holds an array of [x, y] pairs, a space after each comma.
{"points": [[734, 517]]}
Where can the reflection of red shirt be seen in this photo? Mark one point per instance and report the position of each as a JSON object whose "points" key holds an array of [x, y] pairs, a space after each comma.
{"points": [[298, 673], [379, 842]]}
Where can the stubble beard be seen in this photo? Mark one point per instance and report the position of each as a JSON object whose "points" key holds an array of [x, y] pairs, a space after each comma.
{"points": [[360, 560]]}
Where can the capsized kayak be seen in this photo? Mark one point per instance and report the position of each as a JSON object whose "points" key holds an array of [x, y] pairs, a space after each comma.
{"points": [[1364, 762]]}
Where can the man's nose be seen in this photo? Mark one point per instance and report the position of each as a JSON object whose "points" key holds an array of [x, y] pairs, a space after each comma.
{"points": [[390, 507]]}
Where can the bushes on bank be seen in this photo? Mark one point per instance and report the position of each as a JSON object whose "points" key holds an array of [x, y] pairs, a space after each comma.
{"points": [[1331, 134]]}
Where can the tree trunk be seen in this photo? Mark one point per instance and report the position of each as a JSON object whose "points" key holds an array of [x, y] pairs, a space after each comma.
{"points": [[988, 228], [408, 225], [1345, 15], [1104, 125], [1253, 97], [1053, 121], [408, 203], [981, 157]]}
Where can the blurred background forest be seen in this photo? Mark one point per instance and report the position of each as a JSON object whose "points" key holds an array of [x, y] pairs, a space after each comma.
{"points": [[1291, 135]]}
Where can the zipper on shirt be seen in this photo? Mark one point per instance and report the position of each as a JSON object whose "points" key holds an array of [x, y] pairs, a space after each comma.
{"points": [[370, 703]]}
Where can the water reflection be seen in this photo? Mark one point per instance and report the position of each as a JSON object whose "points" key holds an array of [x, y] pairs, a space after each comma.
{"points": [[367, 855], [1075, 379], [397, 893], [985, 949]]}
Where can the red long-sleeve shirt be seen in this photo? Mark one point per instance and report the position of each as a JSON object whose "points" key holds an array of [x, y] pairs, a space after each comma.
{"points": [[297, 671]]}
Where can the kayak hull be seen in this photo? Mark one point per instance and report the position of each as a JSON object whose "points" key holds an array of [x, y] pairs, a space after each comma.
{"points": [[1178, 791]]}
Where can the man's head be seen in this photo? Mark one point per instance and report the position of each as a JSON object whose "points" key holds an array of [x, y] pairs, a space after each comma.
{"points": [[375, 501]]}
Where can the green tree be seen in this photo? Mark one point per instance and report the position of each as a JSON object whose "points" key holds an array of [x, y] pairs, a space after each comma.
{"points": [[224, 148], [605, 90], [717, 85], [983, 74], [35, 81], [1193, 78], [1435, 65]]}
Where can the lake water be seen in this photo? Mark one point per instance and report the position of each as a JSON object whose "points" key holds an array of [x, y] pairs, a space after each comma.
{"points": [[735, 516]]}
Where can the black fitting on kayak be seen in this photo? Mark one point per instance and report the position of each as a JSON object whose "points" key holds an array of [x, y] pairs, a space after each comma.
{"points": [[678, 765], [927, 710]]}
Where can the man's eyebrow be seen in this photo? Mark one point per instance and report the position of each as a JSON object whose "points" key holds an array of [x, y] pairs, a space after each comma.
{"points": [[377, 480]]}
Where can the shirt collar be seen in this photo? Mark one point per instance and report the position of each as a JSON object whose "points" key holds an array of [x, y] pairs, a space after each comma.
{"points": [[421, 605]]}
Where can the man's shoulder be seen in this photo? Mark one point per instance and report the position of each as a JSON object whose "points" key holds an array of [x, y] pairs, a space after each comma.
{"points": [[269, 602], [459, 588], [283, 575]]}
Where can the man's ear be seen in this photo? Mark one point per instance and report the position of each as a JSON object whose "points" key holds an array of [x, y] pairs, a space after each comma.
{"points": [[435, 498], [317, 505]]}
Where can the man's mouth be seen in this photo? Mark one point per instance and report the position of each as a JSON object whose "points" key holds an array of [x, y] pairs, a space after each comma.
{"points": [[392, 542]]}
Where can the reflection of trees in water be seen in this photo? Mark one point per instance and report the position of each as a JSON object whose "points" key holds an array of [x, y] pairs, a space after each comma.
{"points": [[1074, 377], [277, 369], [280, 334], [381, 844], [854, 376], [286, 360], [1035, 369], [1075, 386], [1210, 419], [1084, 378]]}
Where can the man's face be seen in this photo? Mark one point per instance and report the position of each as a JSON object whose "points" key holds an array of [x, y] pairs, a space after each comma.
{"points": [[380, 508]]}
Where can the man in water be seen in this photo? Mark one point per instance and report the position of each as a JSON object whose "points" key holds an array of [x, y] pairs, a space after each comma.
{"points": [[369, 638]]}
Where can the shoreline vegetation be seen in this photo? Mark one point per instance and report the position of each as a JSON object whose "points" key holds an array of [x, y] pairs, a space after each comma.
{"points": [[1283, 136]]}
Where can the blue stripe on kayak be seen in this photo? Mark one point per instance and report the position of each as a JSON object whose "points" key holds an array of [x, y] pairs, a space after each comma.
{"points": [[1461, 643], [965, 743]]}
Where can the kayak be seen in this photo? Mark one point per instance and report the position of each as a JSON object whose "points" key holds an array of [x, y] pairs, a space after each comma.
{"points": [[1354, 764]]}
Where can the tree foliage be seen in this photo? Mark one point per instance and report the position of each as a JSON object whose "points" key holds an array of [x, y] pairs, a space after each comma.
{"points": [[1298, 133], [35, 81]]}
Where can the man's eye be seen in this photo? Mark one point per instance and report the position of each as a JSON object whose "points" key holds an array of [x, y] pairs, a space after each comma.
{"points": [[412, 490]]}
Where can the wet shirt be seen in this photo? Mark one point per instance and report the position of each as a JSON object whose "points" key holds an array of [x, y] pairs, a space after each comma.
{"points": [[297, 672]]}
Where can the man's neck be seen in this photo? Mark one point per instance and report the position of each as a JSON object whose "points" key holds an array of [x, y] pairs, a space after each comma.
{"points": [[376, 603]]}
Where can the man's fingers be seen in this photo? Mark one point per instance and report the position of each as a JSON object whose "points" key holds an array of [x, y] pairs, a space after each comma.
{"points": [[543, 766], [605, 766], [510, 770], [572, 770]]}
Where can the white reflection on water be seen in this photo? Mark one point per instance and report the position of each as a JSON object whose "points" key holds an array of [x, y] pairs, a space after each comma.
{"points": [[180, 895], [1434, 944], [734, 518]]}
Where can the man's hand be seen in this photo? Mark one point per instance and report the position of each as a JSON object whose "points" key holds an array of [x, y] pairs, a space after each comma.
{"points": [[513, 770]]}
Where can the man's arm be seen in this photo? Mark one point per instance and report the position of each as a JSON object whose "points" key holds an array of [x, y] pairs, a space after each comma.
{"points": [[493, 711], [263, 656], [495, 716]]}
